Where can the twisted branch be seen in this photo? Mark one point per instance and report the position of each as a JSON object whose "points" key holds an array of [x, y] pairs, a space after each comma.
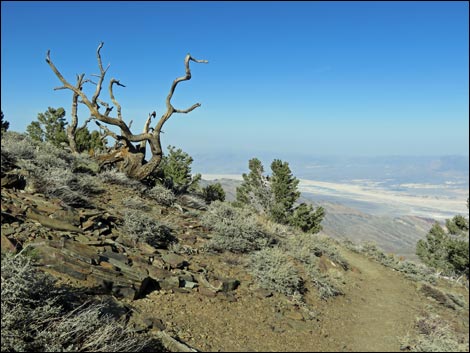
{"points": [[148, 134]]}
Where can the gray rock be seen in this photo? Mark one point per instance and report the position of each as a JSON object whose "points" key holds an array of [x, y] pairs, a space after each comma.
{"points": [[186, 276], [169, 283], [7, 244], [147, 286], [158, 273], [124, 292], [174, 260], [207, 292], [190, 285], [79, 251], [229, 284]]}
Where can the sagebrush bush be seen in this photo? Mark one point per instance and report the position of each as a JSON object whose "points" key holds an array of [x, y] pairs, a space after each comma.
{"points": [[140, 227], [307, 247], [19, 146], [37, 316], [84, 164], [74, 189], [276, 229], [192, 200], [115, 177], [43, 155], [162, 195], [235, 228], [434, 335], [327, 287], [90, 329], [274, 270], [135, 203], [49, 156], [412, 270]]}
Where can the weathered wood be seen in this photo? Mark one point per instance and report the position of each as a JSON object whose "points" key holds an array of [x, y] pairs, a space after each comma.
{"points": [[131, 161]]}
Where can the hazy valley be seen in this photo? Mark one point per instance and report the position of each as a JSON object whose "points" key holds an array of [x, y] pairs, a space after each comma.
{"points": [[392, 201]]}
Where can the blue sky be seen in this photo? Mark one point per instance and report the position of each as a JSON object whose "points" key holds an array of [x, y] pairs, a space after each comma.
{"points": [[320, 78]]}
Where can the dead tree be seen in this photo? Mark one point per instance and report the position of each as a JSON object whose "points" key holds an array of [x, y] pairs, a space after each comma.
{"points": [[129, 153]]}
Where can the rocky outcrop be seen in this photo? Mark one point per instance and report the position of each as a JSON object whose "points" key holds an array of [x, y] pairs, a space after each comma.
{"points": [[87, 247]]}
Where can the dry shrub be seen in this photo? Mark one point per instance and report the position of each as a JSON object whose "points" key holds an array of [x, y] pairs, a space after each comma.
{"points": [[115, 177], [434, 335], [37, 316], [162, 195], [139, 226], [235, 228], [274, 270]]}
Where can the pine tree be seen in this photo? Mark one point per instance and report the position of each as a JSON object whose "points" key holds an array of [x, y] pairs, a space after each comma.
{"points": [[5, 124], [50, 126], [175, 170], [307, 219], [87, 141], [35, 131], [284, 188], [447, 252], [213, 192], [255, 190]]}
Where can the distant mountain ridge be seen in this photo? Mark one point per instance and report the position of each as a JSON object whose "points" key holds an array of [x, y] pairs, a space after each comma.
{"points": [[388, 169]]}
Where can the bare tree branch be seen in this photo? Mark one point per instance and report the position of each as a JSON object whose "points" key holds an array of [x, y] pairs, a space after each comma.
{"points": [[132, 156], [101, 76], [143, 143], [72, 128], [170, 108], [111, 94], [194, 106]]}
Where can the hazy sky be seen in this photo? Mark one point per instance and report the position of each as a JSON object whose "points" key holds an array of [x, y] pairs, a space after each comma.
{"points": [[327, 78]]}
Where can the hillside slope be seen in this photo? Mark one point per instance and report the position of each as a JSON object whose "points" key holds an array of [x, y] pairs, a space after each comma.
{"points": [[112, 237]]}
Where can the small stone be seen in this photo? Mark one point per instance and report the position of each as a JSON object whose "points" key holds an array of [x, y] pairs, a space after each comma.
{"points": [[187, 277], [207, 292], [169, 283], [147, 286], [230, 284], [159, 324], [296, 325], [146, 248], [174, 260], [158, 273], [190, 285], [7, 244], [124, 292], [88, 224], [8, 231]]}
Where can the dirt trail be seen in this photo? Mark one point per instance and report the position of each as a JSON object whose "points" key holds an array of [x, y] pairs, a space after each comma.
{"points": [[379, 308]]}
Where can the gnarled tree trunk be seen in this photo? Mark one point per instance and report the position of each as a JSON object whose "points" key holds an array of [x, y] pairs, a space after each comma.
{"points": [[129, 153]]}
